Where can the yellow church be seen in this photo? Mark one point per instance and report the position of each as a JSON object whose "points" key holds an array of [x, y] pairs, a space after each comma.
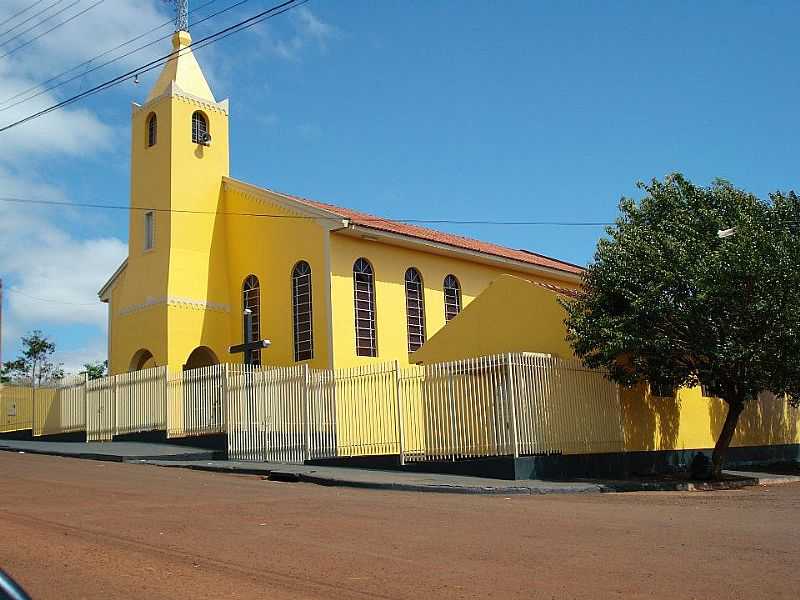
{"points": [[326, 285]]}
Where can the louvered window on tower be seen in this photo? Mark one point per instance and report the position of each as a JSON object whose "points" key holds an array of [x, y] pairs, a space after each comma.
{"points": [[415, 309], [364, 302], [152, 130], [200, 128], [301, 312], [452, 297], [251, 299]]}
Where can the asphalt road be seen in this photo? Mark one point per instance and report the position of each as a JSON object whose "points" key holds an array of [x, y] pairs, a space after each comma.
{"points": [[83, 529]]}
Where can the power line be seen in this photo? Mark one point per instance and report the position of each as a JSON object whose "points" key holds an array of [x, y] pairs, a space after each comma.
{"points": [[21, 23], [118, 58], [33, 39], [35, 25], [102, 54], [210, 39], [21, 12], [47, 300], [301, 217]]}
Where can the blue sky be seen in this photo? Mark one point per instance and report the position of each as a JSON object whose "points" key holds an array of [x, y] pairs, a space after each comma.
{"points": [[466, 110]]}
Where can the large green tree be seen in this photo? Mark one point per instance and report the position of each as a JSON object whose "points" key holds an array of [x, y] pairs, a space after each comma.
{"points": [[35, 363], [669, 301]]}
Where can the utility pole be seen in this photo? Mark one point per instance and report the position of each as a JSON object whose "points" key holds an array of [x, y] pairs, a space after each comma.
{"points": [[1, 322]]}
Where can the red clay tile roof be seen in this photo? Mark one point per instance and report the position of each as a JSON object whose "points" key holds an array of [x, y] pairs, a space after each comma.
{"points": [[424, 233]]}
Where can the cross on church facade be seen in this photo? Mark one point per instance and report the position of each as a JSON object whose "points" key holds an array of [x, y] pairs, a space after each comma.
{"points": [[250, 345]]}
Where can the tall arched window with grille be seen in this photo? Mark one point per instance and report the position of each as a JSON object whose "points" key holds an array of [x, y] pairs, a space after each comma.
{"points": [[301, 312], [199, 127], [452, 297], [251, 299], [152, 130], [415, 309], [364, 302]]}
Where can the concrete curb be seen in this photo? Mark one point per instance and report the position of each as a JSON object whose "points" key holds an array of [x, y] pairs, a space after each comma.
{"points": [[202, 461], [440, 489], [210, 455], [578, 487], [331, 481]]}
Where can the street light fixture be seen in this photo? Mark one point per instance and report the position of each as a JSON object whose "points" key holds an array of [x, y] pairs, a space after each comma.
{"points": [[724, 233]]}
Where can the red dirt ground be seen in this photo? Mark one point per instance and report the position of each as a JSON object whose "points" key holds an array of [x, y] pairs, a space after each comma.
{"points": [[83, 529]]}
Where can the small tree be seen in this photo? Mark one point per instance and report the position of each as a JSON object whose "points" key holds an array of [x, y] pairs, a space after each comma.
{"points": [[96, 370], [35, 363], [669, 302]]}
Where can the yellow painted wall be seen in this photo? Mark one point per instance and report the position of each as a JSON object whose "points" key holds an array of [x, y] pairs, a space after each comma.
{"points": [[389, 265], [690, 420], [511, 315], [269, 248], [16, 407]]}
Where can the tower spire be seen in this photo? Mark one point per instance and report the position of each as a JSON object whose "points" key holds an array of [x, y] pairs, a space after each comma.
{"points": [[181, 15]]}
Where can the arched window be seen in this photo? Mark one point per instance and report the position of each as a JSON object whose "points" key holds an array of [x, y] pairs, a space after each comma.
{"points": [[251, 298], [415, 309], [364, 292], [199, 127], [452, 297], [152, 130], [301, 311]]}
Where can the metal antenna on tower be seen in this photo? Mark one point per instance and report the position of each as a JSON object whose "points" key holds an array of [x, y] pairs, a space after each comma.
{"points": [[181, 14]]}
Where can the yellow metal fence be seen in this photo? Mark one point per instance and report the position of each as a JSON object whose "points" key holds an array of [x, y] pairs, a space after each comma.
{"points": [[16, 404], [503, 405]]}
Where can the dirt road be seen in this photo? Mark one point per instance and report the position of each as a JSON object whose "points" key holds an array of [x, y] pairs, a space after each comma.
{"points": [[83, 529]]}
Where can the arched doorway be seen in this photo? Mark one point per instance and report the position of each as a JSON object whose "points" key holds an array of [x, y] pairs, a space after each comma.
{"points": [[142, 359], [202, 356]]}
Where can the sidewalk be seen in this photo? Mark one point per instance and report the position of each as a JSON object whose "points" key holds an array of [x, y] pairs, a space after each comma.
{"points": [[168, 455], [112, 451], [388, 480]]}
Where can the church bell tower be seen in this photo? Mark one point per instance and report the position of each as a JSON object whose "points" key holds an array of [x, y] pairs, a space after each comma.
{"points": [[175, 274]]}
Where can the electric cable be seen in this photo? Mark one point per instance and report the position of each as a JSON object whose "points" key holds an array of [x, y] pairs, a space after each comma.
{"points": [[44, 33]]}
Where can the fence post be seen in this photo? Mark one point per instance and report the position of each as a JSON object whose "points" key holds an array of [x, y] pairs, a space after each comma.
{"points": [[451, 402], [225, 399], [114, 408], [33, 406], [399, 396], [512, 402], [86, 402], [307, 410]]}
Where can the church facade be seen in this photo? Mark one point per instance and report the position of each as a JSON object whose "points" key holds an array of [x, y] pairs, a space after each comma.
{"points": [[326, 285]]}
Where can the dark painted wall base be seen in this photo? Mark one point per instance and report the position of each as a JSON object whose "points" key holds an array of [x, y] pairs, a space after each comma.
{"points": [[23, 434], [74, 436], [616, 465], [217, 442]]}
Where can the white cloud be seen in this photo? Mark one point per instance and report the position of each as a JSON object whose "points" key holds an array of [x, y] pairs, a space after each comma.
{"points": [[40, 256], [308, 29], [70, 130], [41, 260], [91, 350]]}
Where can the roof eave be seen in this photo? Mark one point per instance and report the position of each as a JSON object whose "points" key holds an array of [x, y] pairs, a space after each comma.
{"points": [[104, 293], [448, 249], [327, 218]]}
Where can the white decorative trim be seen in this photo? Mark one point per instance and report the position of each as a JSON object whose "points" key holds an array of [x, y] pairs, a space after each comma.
{"points": [[327, 219], [174, 91], [176, 301]]}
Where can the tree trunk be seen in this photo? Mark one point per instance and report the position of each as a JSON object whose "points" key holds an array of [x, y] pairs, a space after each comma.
{"points": [[724, 440]]}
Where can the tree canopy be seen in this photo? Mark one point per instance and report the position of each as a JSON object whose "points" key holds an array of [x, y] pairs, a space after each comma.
{"points": [[666, 300], [96, 370], [35, 363]]}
